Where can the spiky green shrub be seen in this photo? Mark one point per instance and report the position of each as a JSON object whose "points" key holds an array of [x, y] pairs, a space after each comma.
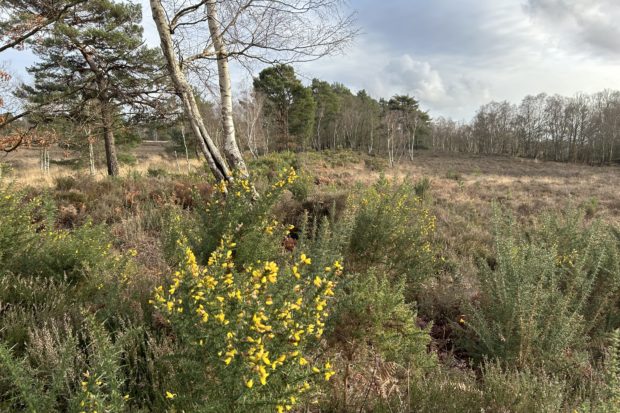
{"points": [[588, 259], [375, 333], [234, 210], [606, 394], [393, 231], [32, 246], [496, 390], [538, 303], [64, 370]]}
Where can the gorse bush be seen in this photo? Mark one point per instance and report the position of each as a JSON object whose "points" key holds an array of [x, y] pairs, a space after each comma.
{"points": [[234, 210], [588, 258], [374, 331], [265, 166], [31, 245], [64, 370], [495, 390], [249, 328], [538, 306], [393, 231]]}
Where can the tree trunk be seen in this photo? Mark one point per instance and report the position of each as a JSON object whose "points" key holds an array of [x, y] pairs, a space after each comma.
{"points": [[216, 162], [108, 139], [231, 149]]}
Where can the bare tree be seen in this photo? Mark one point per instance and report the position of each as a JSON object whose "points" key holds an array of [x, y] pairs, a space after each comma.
{"points": [[249, 115], [247, 32]]}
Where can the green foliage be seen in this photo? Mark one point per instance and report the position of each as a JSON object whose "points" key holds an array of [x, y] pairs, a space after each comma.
{"points": [[289, 104], [127, 158], [422, 187], [371, 312], [453, 175], [540, 304], [588, 254], [301, 188], [249, 328], [611, 388], [517, 391], [32, 246], [157, 172], [64, 370], [374, 330], [127, 138], [234, 211], [267, 166], [393, 232]]}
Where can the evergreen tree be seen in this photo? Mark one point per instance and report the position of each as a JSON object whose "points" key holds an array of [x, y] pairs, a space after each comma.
{"points": [[288, 102], [327, 111], [96, 55]]}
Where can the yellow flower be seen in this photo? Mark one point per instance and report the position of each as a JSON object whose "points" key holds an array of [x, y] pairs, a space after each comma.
{"points": [[249, 383], [170, 395], [262, 372], [302, 361], [318, 281], [305, 260]]}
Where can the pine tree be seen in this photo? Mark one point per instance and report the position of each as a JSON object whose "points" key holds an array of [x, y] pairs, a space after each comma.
{"points": [[96, 54], [289, 103]]}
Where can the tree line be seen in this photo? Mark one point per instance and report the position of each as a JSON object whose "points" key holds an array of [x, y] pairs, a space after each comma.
{"points": [[95, 79], [584, 128]]}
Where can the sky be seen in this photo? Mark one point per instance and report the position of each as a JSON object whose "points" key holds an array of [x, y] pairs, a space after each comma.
{"points": [[455, 55]]}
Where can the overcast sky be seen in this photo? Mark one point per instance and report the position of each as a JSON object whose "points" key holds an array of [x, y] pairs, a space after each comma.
{"points": [[454, 55]]}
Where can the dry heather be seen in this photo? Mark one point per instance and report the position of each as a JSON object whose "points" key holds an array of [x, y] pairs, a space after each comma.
{"points": [[462, 184], [24, 164]]}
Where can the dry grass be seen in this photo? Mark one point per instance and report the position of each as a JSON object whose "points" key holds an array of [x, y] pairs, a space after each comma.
{"points": [[526, 186], [462, 184], [24, 164]]}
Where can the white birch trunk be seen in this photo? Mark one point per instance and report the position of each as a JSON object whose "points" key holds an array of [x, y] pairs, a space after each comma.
{"points": [[216, 162], [231, 148]]}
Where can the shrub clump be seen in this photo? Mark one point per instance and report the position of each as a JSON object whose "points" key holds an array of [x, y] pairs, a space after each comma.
{"points": [[249, 327], [393, 231]]}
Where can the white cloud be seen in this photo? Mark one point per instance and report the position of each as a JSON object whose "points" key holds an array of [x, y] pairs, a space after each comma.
{"points": [[586, 26], [456, 55]]}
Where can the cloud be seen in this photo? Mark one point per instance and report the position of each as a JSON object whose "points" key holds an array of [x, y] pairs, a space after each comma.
{"points": [[435, 90], [456, 55], [584, 25]]}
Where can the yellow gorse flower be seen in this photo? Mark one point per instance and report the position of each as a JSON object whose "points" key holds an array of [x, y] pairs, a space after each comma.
{"points": [[250, 321]]}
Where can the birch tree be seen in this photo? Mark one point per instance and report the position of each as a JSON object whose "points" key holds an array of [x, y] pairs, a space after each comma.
{"points": [[246, 32]]}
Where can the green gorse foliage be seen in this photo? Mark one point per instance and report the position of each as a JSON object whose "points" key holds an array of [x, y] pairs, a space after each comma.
{"points": [[540, 303]]}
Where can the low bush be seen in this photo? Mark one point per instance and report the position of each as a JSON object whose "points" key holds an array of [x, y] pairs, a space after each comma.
{"points": [[542, 302], [251, 329], [497, 390], [375, 333], [393, 231]]}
